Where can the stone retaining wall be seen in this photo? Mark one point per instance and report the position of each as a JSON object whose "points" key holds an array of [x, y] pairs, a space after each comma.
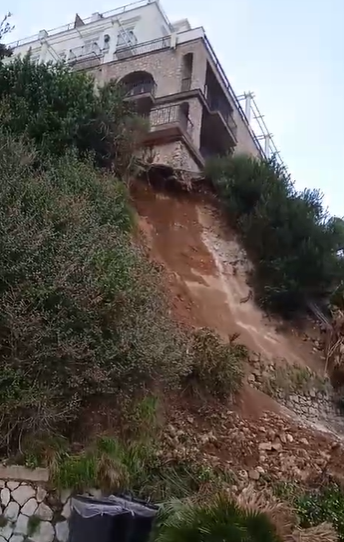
{"points": [[29, 512], [313, 399]]}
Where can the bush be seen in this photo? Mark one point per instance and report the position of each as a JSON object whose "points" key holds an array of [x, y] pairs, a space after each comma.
{"points": [[216, 366], [326, 504], [58, 109], [220, 519], [289, 235], [81, 313]]}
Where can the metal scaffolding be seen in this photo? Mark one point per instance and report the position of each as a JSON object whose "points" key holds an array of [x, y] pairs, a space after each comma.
{"points": [[257, 124]]}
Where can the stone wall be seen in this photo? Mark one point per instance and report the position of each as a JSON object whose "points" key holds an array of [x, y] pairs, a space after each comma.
{"points": [[300, 390], [166, 67], [29, 512], [174, 154]]}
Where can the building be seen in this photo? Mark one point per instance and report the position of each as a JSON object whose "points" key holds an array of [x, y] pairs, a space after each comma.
{"points": [[170, 70]]}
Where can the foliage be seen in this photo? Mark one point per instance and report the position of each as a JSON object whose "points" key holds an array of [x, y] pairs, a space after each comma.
{"points": [[5, 28], [3, 521], [325, 504], [292, 240], [221, 519], [216, 366], [81, 312], [33, 525], [135, 466], [59, 109]]}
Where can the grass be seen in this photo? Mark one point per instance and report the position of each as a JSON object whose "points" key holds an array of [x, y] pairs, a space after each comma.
{"points": [[137, 467], [218, 519], [3, 521]]}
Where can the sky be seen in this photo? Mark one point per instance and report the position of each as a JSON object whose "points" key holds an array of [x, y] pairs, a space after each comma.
{"points": [[290, 53]]}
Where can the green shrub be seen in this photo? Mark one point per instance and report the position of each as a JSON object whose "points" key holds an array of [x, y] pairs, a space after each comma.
{"points": [[217, 366], [59, 109], [288, 234], [220, 519], [81, 311], [325, 504]]}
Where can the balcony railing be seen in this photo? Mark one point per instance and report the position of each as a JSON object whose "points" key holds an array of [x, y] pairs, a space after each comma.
{"points": [[171, 114], [140, 49], [141, 87], [218, 105], [85, 51]]}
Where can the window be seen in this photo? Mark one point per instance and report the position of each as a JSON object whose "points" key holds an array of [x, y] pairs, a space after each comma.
{"points": [[126, 37], [106, 42]]}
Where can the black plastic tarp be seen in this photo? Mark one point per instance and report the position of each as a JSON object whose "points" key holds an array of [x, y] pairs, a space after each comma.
{"points": [[112, 519]]}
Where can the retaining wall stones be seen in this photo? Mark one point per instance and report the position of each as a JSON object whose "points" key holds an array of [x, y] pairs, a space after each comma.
{"points": [[29, 512], [309, 397]]}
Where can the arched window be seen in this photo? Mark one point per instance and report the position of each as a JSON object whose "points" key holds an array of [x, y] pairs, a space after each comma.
{"points": [[140, 82]]}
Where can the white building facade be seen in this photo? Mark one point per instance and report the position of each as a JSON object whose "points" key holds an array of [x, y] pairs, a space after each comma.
{"points": [[170, 70]]}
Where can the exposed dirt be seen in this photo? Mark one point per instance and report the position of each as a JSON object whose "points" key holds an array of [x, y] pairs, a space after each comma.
{"points": [[207, 271], [207, 278]]}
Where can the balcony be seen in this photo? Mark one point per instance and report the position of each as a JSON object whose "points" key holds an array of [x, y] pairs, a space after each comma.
{"points": [[220, 110], [140, 88], [85, 56], [170, 122], [127, 50]]}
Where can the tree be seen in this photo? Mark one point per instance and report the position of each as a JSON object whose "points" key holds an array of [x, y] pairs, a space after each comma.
{"points": [[5, 28], [294, 243], [58, 109]]}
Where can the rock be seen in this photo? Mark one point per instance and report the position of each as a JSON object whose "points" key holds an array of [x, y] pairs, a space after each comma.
{"points": [[283, 438], [290, 437], [5, 496], [260, 470], [41, 494], [254, 474], [45, 533], [21, 524], [67, 510], [265, 446], [304, 441], [17, 538], [44, 512], [2, 539], [2, 484], [29, 507], [64, 495], [22, 494], [6, 531], [251, 378], [12, 485], [62, 531], [277, 446], [11, 511]]}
